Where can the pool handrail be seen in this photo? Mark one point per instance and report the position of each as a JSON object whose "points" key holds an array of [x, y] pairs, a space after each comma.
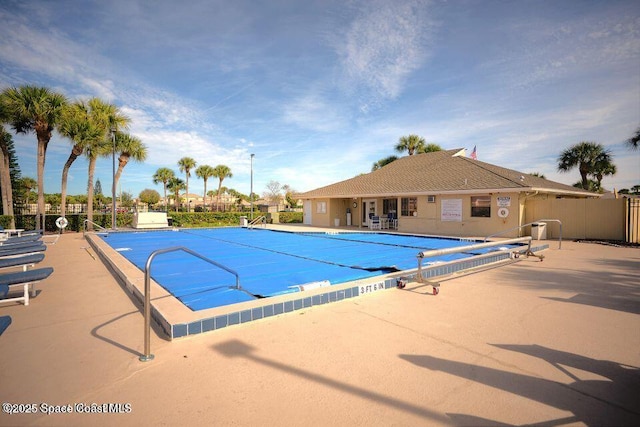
{"points": [[261, 219], [437, 252], [147, 291], [528, 224], [84, 226]]}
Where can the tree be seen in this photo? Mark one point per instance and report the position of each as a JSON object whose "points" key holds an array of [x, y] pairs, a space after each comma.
{"points": [[411, 143], [205, 172], [78, 126], [109, 119], [5, 175], [273, 193], [126, 199], [221, 172], [148, 196], [164, 175], [383, 162], [589, 157], [129, 147], [176, 184], [27, 184], [538, 174], [633, 141], [34, 109], [430, 148], [186, 164], [289, 196]]}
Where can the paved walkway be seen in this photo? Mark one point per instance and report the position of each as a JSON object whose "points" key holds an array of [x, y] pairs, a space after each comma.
{"points": [[554, 343]]}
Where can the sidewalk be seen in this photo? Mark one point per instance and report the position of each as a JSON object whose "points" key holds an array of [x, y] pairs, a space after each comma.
{"points": [[552, 342]]}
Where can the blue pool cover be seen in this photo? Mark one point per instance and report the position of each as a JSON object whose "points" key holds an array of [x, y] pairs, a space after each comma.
{"points": [[269, 262]]}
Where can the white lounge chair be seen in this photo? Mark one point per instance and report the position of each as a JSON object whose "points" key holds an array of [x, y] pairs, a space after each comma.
{"points": [[26, 279]]}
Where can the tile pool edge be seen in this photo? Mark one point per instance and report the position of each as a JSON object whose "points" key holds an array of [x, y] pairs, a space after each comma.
{"points": [[178, 321]]}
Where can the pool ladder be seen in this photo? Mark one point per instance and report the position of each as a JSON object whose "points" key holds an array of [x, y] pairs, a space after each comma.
{"points": [[147, 292], [259, 220]]}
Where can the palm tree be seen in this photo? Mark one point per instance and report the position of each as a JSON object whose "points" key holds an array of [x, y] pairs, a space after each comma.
{"points": [[221, 172], [5, 175], [430, 148], [205, 172], [27, 184], [77, 125], [109, 119], [164, 175], [383, 162], [34, 109], [186, 164], [411, 143], [633, 141], [603, 167], [589, 157], [130, 147], [176, 184]]}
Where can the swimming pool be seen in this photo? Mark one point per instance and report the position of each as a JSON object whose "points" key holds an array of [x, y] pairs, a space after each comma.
{"points": [[270, 263]]}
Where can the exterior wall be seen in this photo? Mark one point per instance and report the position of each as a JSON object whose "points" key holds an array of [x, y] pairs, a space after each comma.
{"points": [[429, 218], [581, 218]]}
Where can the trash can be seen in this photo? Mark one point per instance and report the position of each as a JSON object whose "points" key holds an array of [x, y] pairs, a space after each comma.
{"points": [[243, 221], [539, 231], [170, 221]]}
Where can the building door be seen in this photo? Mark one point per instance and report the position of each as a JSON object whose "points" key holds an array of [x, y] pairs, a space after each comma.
{"points": [[369, 209], [306, 214]]}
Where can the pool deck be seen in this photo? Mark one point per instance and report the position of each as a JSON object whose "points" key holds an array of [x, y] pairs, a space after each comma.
{"points": [[554, 342]]}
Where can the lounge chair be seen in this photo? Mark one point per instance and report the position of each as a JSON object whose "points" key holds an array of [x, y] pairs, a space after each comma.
{"points": [[27, 279], [11, 252], [24, 261], [21, 239], [5, 321]]}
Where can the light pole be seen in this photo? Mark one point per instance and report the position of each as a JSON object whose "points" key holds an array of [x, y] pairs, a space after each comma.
{"points": [[113, 180], [251, 193]]}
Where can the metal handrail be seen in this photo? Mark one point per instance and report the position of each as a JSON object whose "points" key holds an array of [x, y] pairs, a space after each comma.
{"points": [[528, 224], [147, 292], [437, 252], [261, 219], [84, 226]]}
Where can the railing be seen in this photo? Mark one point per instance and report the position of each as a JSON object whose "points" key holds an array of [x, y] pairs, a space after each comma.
{"points": [[259, 220], [147, 292], [84, 226], [531, 223], [438, 252]]}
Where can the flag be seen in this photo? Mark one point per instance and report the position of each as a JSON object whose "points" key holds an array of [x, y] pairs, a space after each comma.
{"points": [[474, 156]]}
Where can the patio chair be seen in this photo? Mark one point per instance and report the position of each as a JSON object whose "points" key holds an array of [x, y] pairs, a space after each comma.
{"points": [[5, 321], [11, 241], [374, 224], [26, 279]]}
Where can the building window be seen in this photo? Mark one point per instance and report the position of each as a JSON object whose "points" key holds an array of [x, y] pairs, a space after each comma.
{"points": [[321, 207], [389, 206], [409, 206], [431, 199], [481, 206]]}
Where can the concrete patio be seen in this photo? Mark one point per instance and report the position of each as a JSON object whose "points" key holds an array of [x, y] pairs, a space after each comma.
{"points": [[554, 343]]}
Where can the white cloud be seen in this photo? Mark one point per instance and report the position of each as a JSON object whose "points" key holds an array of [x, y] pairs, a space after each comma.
{"points": [[382, 46]]}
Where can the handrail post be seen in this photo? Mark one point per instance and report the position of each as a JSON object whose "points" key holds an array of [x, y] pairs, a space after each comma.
{"points": [[147, 356]]}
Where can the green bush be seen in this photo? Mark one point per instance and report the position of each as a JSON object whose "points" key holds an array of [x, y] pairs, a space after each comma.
{"points": [[5, 221], [291, 217]]}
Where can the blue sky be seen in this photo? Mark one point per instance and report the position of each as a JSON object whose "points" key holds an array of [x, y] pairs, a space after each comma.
{"points": [[320, 90]]}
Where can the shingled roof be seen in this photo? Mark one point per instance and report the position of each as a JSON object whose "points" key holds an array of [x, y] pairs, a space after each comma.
{"points": [[440, 172]]}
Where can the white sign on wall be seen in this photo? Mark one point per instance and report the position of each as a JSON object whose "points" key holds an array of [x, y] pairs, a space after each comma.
{"points": [[504, 201], [451, 210]]}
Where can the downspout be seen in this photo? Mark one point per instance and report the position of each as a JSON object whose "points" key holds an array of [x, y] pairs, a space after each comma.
{"points": [[535, 193]]}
